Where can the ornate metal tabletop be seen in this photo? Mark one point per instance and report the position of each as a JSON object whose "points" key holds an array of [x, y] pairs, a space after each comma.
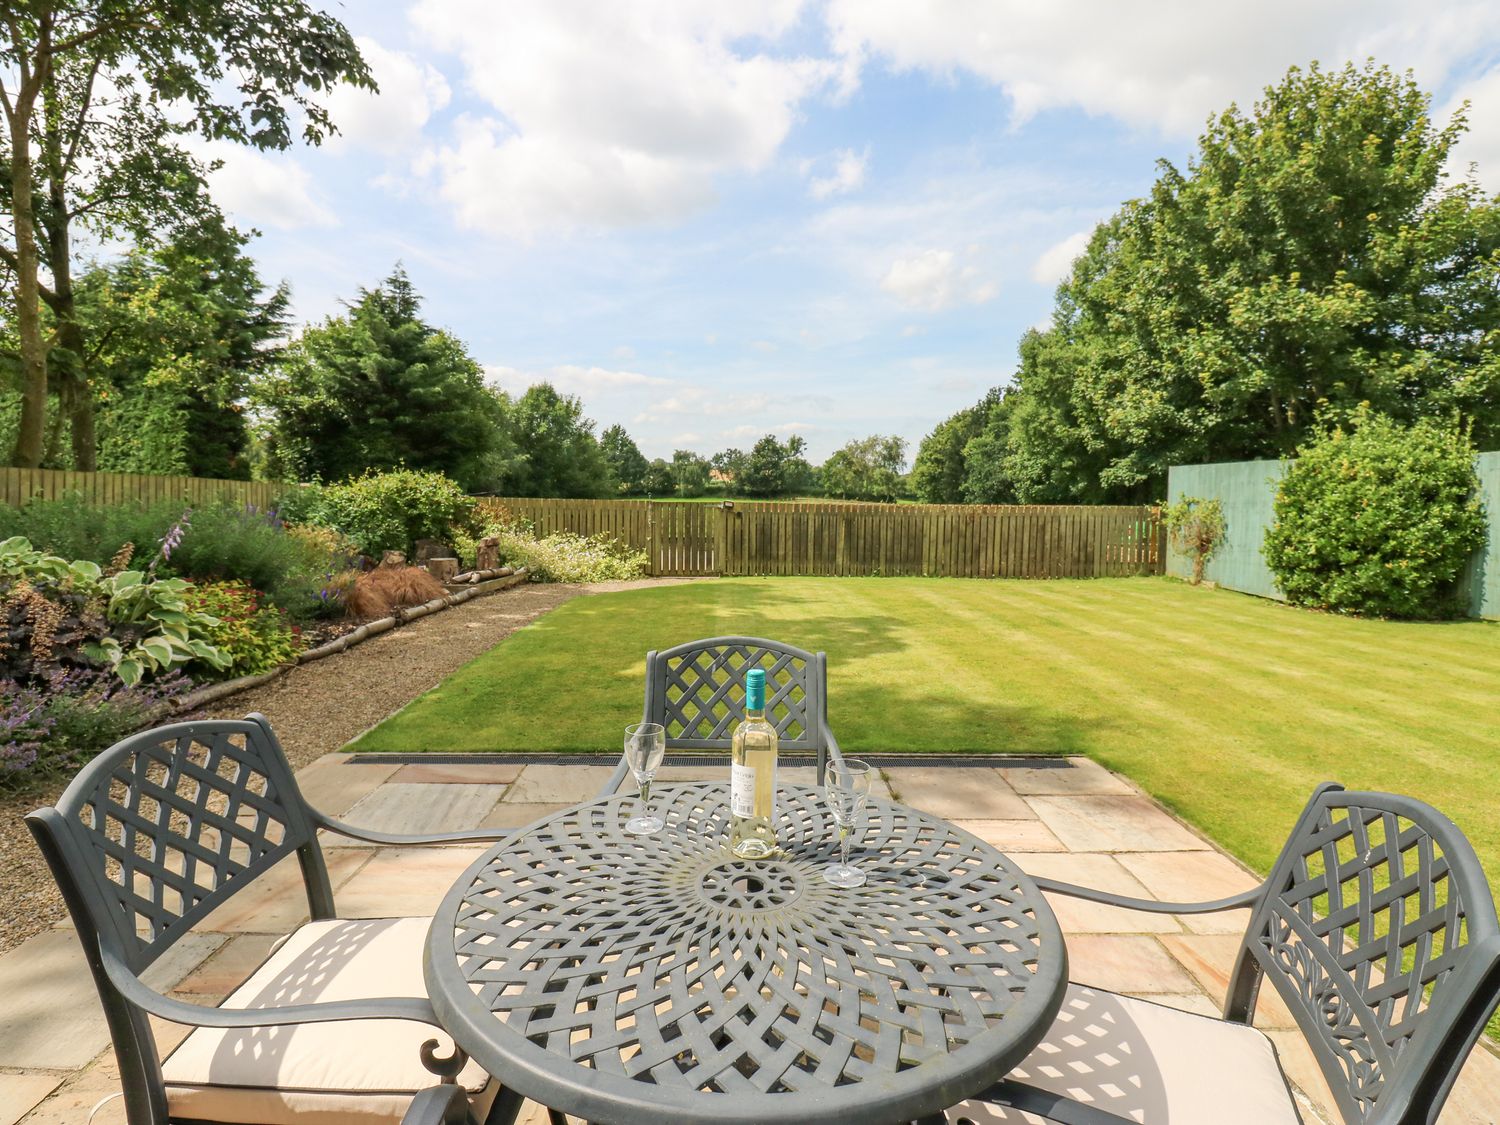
{"points": [[640, 979]]}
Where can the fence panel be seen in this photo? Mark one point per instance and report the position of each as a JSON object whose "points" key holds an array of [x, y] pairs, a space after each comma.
{"points": [[961, 541], [21, 486]]}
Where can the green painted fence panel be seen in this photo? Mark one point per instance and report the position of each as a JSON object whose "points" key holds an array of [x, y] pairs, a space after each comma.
{"points": [[1247, 491], [1483, 576]]}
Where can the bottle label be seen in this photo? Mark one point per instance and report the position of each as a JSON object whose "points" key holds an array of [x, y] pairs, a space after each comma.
{"points": [[742, 790]]}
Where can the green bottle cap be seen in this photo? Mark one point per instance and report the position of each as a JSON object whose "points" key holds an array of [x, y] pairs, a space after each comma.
{"points": [[755, 689]]}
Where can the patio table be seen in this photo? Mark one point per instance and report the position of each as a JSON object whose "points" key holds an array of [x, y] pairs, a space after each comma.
{"points": [[642, 979]]}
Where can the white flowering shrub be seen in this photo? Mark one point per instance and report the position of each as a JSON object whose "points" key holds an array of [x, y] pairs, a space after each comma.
{"points": [[565, 557]]}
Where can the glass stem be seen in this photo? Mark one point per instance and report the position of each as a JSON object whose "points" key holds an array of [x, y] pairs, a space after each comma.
{"points": [[843, 845], [646, 797]]}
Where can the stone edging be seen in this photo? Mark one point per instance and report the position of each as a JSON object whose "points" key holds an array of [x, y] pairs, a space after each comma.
{"points": [[215, 692]]}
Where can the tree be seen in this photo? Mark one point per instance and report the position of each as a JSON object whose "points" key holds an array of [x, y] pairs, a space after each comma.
{"points": [[986, 457], [658, 480], [866, 469], [74, 153], [558, 453], [764, 471], [173, 337], [1310, 258], [937, 474], [730, 465], [689, 473], [627, 465], [797, 473], [378, 388]]}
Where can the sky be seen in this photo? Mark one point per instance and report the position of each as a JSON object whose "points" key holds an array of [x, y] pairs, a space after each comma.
{"points": [[715, 220]]}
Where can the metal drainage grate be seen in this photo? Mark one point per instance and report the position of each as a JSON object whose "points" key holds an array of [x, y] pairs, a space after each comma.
{"points": [[496, 757]]}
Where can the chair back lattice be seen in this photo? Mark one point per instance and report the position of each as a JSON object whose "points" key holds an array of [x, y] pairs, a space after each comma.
{"points": [[1378, 929], [165, 825], [697, 691]]}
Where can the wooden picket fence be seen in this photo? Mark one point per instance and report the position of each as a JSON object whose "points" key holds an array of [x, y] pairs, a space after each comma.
{"points": [[21, 486], [954, 541]]}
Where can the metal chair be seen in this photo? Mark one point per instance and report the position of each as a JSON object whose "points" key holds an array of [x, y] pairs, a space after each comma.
{"points": [[1376, 928], [697, 691], [165, 826]]}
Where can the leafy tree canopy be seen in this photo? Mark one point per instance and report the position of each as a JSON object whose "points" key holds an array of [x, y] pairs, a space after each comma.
{"points": [[866, 469], [84, 90], [174, 335], [558, 453], [689, 473], [379, 388], [1310, 258], [627, 465]]}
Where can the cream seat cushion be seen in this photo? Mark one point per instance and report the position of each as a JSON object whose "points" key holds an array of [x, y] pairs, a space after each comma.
{"points": [[356, 1072], [1152, 1064]]}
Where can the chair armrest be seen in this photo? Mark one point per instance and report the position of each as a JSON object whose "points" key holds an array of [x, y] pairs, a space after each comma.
{"points": [[371, 835], [834, 753], [438, 1105], [197, 1015], [1233, 902]]}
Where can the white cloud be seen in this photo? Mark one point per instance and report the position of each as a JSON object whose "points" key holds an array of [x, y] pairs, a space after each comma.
{"points": [[263, 189], [762, 431], [934, 280], [702, 402], [1056, 262], [1167, 64], [611, 115], [572, 379], [847, 175], [1481, 144], [411, 91]]}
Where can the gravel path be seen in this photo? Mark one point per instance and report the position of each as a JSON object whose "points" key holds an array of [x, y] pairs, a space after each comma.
{"points": [[316, 708]]}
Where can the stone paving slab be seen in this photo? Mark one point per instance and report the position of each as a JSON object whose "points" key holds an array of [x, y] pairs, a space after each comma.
{"points": [[403, 882], [543, 784], [1080, 777], [425, 807], [1131, 963], [1194, 877], [19, 1093], [276, 901], [514, 814], [974, 793], [1114, 824], [1078, 916], [51, 1017], [1014, 835], [333, 784], [423, 773]]}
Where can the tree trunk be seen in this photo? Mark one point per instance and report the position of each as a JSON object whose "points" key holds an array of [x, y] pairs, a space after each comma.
{"points": [[70, 370], [31, 437]]}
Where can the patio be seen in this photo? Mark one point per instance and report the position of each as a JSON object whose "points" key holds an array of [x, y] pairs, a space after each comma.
{"points": [[1068, 819]]}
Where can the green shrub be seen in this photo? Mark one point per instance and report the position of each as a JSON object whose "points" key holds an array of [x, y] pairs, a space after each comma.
{"points": [[390, 511], [256, 636], [565, 557], [150, 628], [218, 542], [1197, 528], [1378, 519], [54, 730]]}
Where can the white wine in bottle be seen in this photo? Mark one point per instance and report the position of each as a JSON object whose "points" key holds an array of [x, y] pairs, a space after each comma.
{"points": [[752, 776]]}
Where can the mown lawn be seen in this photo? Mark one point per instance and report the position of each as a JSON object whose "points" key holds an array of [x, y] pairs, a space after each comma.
{"points": [[1226, 707]]}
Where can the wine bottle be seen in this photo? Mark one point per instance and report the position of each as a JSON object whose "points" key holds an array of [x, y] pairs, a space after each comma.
{"points": [[752, 776]]}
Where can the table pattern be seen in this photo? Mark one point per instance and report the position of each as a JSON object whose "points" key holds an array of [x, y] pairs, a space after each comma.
{"points": [[633, 978]]}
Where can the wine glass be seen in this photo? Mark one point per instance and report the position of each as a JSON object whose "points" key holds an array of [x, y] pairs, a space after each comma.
{"points": [[846, 788], [645, 746]]}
